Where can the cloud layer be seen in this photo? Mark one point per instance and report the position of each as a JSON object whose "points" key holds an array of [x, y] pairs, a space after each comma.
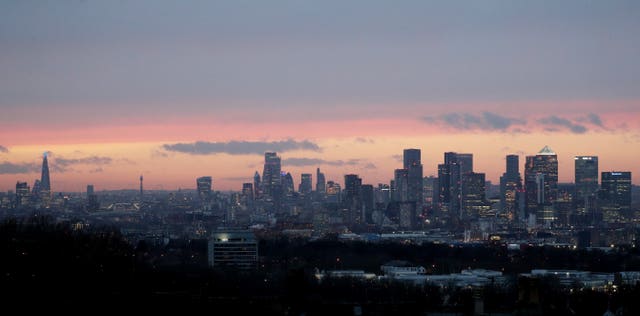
{"points": [[488, 121], [15, 168], [239, 147], [303, 162], [484, 121], [553, 123], [3, 149]]}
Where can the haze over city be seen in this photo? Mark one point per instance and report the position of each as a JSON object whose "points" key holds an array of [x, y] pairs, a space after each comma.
{"points": [[179, 90]]}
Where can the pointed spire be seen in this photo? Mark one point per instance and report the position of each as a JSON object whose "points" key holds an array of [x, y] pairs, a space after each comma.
{"points": [[546, 151]]}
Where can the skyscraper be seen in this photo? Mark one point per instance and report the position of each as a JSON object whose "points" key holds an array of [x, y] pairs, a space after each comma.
{"points": [[472, 194], [321, 183], [450, 179], [401, 181], [256, 184], [413, 164], [616, 189], [510, 185], [305, 184], [45, 181], [22, 194], [287, 183], [586, 182], [271, 178], [541, 184], [204, 185]]}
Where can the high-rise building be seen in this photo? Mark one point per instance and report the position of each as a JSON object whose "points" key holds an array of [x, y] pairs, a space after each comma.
{"points": [[271, 178], [352, 185], [413, 164], [430, 191], [287, 183], [92, 199], [510, 185], [321, 187], [473, 197], [256, 184], [586, 182], [450, 179], [382, 194], [401, 182], [45, 181], [616, 189], [247, 192], [541, 184], [204, 185], [334, 192], [366, 191], [22, 194], [305, 186]]}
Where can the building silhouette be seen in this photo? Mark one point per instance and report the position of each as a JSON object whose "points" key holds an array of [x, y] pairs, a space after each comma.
{"points": [[586, 183], [413, 164], [541, 185], [306, 184], [321, 186], [615, 195], [271, 177], [45, 182], [510, 186], [204, 185]]}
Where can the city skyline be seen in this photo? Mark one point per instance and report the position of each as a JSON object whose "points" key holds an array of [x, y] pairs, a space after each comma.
{"points": [[179, 91]]}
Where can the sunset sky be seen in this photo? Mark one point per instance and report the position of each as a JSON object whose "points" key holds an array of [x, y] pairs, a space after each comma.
{"points": [[174, 90]]}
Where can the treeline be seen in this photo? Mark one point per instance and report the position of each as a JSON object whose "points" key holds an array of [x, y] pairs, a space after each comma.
{"points": [[52, 266], [442, 258]]}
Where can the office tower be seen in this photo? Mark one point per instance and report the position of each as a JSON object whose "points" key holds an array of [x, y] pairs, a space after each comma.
{"points": [[615, 195], [510, 185], [473, 199], [366, 191], [204, 187], [382, 194], [287, 183], [256, 184], [352, 185], [412, 163], [450, 179], [466, 163], [45, 181], [352, 198], [305, 184], [541, 184], [247, 192], [320, 184], [22, 194], [401, 182], [271, 178], [92, 199], [586, 182], [334, 192], [430, 191]]}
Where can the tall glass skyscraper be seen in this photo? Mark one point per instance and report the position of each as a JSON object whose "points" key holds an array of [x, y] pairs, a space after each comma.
{"points": [[412, 163], [586, 181], [541, 184], [271, 178], [510, 185], [45, 181]]}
